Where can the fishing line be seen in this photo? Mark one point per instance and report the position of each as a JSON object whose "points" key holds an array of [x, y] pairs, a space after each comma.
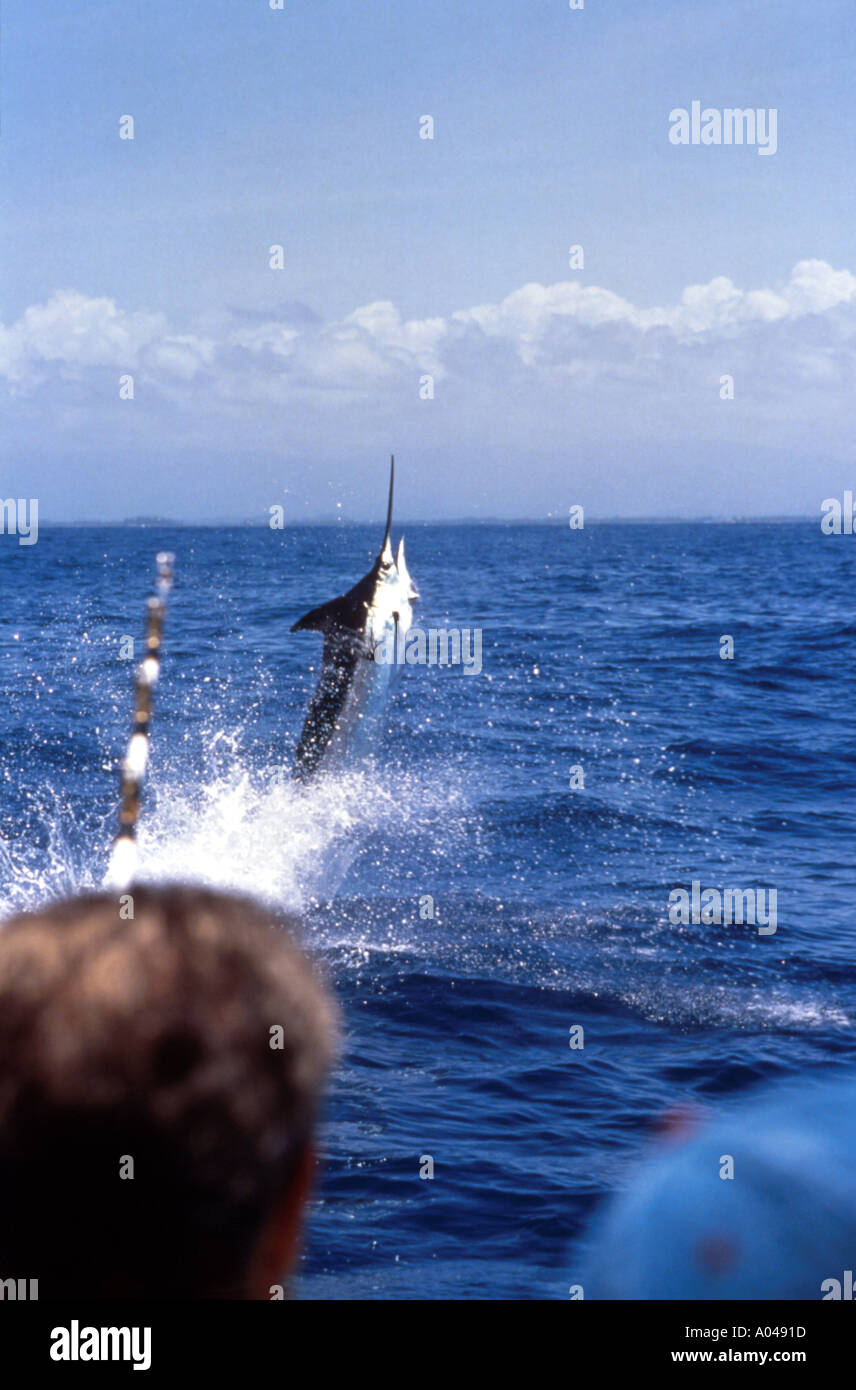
{"points": [[124, 858]]}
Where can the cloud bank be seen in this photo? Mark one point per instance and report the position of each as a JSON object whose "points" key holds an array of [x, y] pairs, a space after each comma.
{"points": [[502, 406], [566, 327]]}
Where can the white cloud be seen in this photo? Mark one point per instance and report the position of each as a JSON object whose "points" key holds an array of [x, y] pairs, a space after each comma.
{"points": [[418, 338], [77, 332], [567, 329], [719, 306]]}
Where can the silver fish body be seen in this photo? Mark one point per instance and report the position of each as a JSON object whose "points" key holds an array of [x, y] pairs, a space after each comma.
{"points": [[362, 630]]}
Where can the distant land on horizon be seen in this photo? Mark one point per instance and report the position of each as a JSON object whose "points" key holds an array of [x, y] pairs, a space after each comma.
{"points": [[152, 523]]}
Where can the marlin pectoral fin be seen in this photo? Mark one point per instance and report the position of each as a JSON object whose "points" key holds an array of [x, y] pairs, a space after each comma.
{"points": [[326, 616]]}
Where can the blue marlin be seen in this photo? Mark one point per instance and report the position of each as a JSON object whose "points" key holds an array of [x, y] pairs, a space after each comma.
{"points": [[364, 631]]}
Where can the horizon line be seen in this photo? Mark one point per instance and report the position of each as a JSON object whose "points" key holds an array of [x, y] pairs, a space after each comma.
{"points": [[153, 523]]}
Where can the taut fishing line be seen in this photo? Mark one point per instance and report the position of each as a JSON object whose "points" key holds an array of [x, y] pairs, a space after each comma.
{"points": [[124, 858]]}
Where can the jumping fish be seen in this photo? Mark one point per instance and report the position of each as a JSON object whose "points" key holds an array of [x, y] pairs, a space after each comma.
{"points": [[361, 629]]}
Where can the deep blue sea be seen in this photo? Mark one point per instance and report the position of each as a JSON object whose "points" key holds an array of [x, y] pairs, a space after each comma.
{"points": [[601, 650]]}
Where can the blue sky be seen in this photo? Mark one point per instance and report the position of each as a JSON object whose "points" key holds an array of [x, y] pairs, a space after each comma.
{"points": [[408, 257]]}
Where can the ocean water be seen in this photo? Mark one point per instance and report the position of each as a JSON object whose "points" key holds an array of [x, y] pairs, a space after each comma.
{"points": [[601, 650]]}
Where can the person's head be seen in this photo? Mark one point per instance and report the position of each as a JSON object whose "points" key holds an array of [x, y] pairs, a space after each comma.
{"points": [[159, 1081], [757, 1202]]}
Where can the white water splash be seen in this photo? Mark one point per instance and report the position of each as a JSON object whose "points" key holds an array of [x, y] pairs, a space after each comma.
{"points": [[59, 865], [264, 834], [237, 827]]}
